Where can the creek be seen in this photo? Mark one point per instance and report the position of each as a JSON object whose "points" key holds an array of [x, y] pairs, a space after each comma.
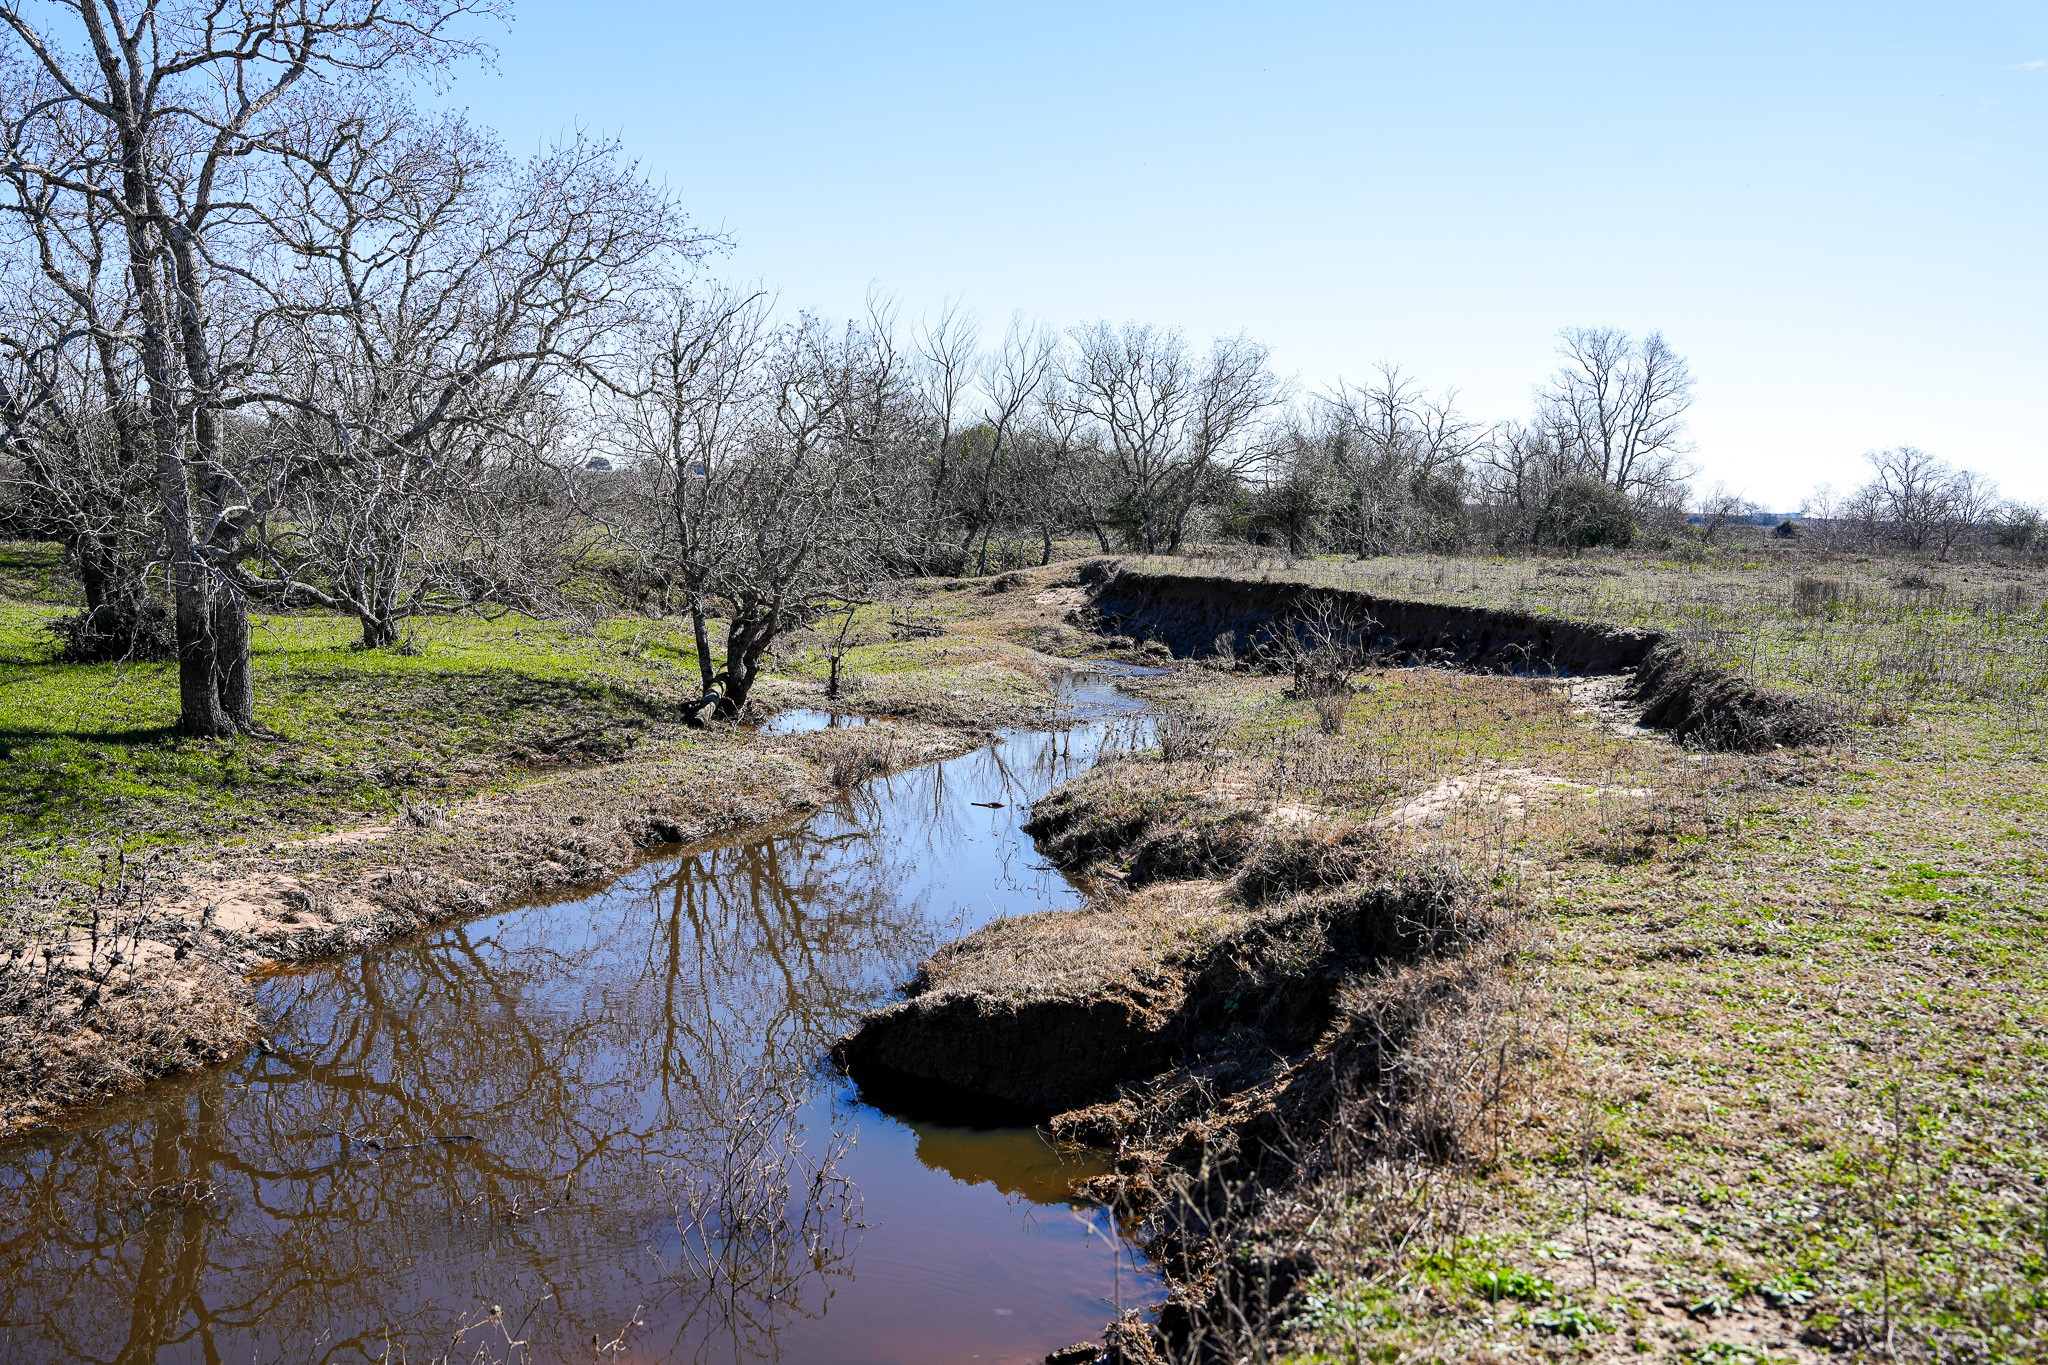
{"points": [[600, 1129]]}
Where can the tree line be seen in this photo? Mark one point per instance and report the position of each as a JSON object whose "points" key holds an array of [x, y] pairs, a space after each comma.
{"points": [[273, 332]]}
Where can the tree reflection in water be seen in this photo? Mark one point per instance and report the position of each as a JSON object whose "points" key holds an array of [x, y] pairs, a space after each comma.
{"points": [[602, 1113]]}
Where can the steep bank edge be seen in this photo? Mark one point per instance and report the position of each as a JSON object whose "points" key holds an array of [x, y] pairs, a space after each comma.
{"points": [[1697, 702]]}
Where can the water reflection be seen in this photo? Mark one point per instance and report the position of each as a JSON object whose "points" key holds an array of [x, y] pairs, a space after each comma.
{"points": [[803, 720], [608, 1117]]}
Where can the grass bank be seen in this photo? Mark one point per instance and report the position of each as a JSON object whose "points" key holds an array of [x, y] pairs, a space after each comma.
{"points": [[1747, 1063]]}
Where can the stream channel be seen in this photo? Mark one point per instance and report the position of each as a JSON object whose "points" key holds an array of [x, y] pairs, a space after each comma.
{"points": [[602, 1127]]}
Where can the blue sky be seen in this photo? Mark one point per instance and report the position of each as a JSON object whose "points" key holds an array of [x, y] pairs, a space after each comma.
{"points": [[1837, 211]]}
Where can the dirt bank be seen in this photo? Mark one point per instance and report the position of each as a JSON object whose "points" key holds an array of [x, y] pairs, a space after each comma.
{"points": [[1048, 1013], [1196, 616], [1243, 970], [1293, 975]]}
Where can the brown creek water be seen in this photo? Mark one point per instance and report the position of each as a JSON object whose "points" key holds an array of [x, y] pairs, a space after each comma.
{"points": [[599, 1130]]}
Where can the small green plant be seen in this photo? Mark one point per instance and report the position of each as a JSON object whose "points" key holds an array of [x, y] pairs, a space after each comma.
{"points": [[1787, 1289], [1725, 1353], [1497, 1282], [1567, 1320]]}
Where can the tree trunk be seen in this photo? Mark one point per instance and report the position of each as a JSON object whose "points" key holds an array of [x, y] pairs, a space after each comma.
{"points": [[746, 640], [233, 682], [702, 636], [94, 573], [200, 713], [379, 632]]}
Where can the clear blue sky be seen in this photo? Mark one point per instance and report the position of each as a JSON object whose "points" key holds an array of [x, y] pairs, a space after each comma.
{"points": [[1838, 211]]}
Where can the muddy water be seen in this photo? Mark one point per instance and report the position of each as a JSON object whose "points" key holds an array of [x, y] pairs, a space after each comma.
{"points": [[597, 1130]]}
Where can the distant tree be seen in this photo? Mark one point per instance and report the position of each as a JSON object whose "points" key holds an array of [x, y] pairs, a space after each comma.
{"points": [[1293, 500], [1920, 502], [1399, 456], [2021, 527], [998, 465], [1720, 508], [1172, 427], [1515, 467], [1618, 406]]}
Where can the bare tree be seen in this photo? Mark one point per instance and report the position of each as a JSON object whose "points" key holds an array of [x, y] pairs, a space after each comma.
{"points": [[683, 423], [180, 98], [1618, 407], [997, 469], [1920, 501], [763, 475], [1719, 508], [439, 298], [1401, 455], [947, 356], [1972, 503], [1171, 426]]}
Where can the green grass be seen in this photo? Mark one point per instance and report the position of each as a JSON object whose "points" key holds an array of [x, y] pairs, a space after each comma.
{"points": [[1860, 632], [88, 753], [1792, 1008]]}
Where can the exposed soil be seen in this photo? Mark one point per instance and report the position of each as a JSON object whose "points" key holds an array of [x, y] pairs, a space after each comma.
{"points": [[1204, 1025], [1195, 616]]}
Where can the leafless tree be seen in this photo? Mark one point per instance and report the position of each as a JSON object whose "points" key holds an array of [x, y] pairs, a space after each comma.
{"points": [[439, 297], [1005, 454], [179, 101], [1618, 406], [1171, 425], [764, 476], [1718, 508], [1920, 501], [682, 423], [1400, 455], [946, 352], [73, 420]]}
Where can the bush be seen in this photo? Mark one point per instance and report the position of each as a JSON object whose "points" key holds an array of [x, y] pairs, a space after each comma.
{"points": [[1583, 512], [2021, 528], [107, 634]]}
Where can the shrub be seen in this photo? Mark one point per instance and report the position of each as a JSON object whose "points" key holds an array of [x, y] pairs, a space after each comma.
{"points": [[108, 634], [1583, 512], [1817, 596]]}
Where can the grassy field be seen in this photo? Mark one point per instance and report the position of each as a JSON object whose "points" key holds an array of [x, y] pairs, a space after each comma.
{"points": [[88, 753], [1784, 1018], [1764, 1081], [1885, 639], [143, 875], [89, 758]]}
